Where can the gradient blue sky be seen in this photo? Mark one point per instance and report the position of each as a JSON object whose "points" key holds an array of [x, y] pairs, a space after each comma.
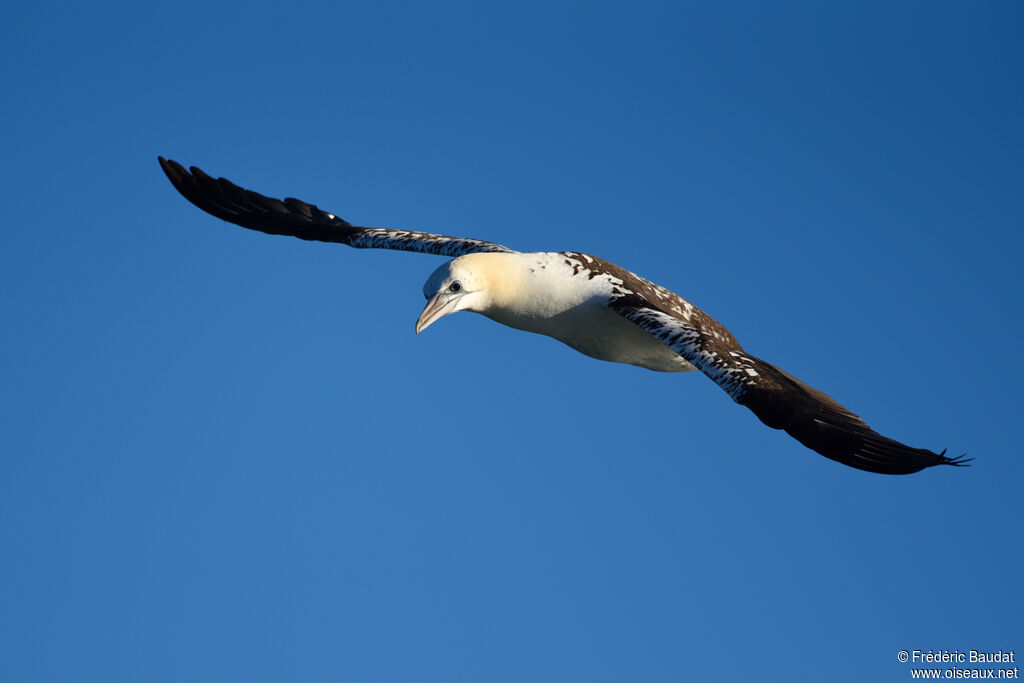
{"points": [[225, 456]]}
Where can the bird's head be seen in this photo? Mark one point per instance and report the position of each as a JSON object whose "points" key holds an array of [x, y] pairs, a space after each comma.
{"points": [[474, 282], [459, 285]]}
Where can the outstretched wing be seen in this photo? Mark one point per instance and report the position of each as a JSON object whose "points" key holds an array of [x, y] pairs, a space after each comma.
{"points": [[780, 400], [296, 218]]}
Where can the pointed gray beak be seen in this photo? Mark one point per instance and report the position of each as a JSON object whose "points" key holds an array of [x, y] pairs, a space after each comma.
{"points": [[438, 307]]}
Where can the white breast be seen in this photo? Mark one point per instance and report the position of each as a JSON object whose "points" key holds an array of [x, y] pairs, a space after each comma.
{"points": [[569, 303]]}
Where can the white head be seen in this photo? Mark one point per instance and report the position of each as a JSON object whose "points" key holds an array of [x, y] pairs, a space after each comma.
{"points": [[473, 282]]}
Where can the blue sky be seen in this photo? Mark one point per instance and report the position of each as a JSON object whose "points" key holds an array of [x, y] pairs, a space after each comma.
{"points": [[226, 456]]}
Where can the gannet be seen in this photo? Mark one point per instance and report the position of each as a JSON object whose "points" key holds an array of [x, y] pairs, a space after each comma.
{"points": [[595, 307]]}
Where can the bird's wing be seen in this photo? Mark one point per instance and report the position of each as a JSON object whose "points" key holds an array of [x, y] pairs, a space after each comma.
{"points": [[296, 218], [779, 400]]}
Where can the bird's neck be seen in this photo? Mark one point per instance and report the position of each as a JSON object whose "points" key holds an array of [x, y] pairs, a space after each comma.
{"points": [[508, 282]]}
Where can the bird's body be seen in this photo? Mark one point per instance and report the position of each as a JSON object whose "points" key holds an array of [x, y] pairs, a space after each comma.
{"points": [[592, 305], [564, 296]]}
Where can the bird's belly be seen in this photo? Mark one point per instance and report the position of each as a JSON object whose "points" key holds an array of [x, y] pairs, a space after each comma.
{"points": [[599, 332]]}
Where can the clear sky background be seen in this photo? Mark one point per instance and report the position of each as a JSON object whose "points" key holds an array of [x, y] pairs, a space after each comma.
{"points": [[226, 456]]}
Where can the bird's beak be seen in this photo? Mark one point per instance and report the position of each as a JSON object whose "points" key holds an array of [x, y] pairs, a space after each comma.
{"points": [[438, 307]]}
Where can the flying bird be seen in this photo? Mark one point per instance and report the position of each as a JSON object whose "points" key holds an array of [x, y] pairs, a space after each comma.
{"points": [[595, 307]]}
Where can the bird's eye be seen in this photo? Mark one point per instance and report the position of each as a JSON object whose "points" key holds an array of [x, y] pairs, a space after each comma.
{"points": [[455, 286]]}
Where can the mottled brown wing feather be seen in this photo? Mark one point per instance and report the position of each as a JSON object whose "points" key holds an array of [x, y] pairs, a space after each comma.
{"points": [[778, 399], [296, 218]]}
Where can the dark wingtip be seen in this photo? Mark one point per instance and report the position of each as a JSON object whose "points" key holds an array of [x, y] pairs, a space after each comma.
{"points": [[958, 461], [173, 170], [221, 198]]}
